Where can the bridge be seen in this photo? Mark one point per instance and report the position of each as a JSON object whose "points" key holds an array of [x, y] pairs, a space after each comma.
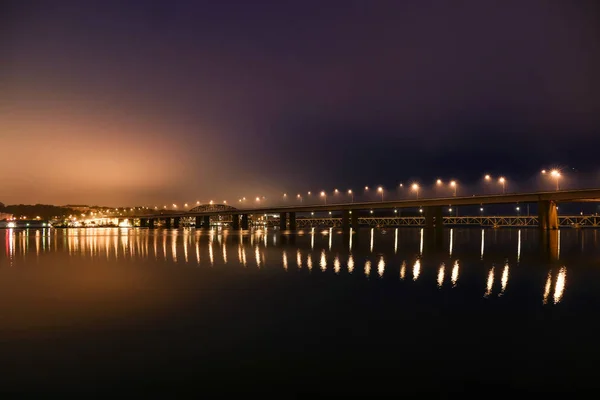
{"points": [[547, 217]]}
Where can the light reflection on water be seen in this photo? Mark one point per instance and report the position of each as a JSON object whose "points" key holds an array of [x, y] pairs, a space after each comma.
{"points": [[519, 252]]}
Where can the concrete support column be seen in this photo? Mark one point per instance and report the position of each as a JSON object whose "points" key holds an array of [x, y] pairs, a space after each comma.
{"points": [[143, 222], [439, 218], [245, 222], [176, 222], [547, 215], [151, 223], [346, 220], [429, 217], [168, 222], [206, 222], [235, 221], [354, 219], [282, 221], [292, 216], [198, 222]]}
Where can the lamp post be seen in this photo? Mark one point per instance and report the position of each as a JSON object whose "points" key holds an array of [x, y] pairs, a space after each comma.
{"points": [[454, 186], [380, 190], [351, 195], [556, 175], [299, 197], [502, 181], [324, 195], [415, 187]]}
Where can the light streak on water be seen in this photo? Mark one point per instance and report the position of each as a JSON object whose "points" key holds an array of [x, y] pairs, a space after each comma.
{"points": [[504, 279], [519, 247], [440, 275], [416, 269], [323, 261], [490, 283], [367, 268], [455, 271], [403, 270], [559, 286], [336, 264], [547, 287], [482, 242], [381, 266], [350, 264]]}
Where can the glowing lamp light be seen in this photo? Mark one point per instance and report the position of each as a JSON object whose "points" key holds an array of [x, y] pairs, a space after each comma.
{"points": [[438, 182]]}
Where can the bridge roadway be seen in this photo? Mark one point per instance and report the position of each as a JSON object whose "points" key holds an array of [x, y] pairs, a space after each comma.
{"points": [[547, 213]]}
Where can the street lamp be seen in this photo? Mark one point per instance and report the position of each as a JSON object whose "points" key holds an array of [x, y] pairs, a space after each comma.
{"points": [[351, 195], [415, 187], [336, 191], [380, 190], [454, 185], [556, 175], [324, 195], [299, 197], [502, 181]]}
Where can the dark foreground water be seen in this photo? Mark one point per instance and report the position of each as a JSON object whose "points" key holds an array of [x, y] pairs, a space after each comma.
{"points": [[385, 312]]}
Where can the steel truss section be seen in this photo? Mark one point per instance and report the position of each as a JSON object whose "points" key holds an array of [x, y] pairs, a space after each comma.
{"points": [[491, 221]]}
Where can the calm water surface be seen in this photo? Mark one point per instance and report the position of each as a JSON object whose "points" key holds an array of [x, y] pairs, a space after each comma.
{"points": [[318, 311]]}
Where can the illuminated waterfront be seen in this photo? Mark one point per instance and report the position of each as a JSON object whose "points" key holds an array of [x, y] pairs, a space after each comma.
{"points": [[197, 306]]}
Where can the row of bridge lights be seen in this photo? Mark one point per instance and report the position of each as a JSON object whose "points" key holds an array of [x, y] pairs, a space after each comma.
{"points": [[415, 187], [554, 174]]}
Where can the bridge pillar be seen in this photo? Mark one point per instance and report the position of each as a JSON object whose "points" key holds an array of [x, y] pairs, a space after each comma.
{"points": [[176, 222], [282, 221], [168, 222], [198, 222], [143, 222], [151, 222], [429, 217], [547, 215], [206, 222], [245, 222], [345, 220], [354, 219], [235, 221], [292, 217]]}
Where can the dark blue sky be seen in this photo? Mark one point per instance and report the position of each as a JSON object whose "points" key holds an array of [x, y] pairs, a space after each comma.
{"points": [[170, 101]]}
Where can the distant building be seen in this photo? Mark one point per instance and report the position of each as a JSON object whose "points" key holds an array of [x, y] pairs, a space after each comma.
{"points": [[5, 216]]}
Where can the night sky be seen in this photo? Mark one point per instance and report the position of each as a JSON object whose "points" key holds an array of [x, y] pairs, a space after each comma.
{"points": [[141, 102]]}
